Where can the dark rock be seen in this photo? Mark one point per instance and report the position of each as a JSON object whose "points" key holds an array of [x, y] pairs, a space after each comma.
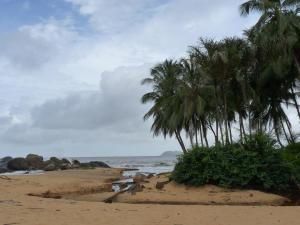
{"points": [[99, 164], [65, 161], [6, 159], [94, 164], [50, 167], [18, 164], [65, 166], [3, 163], [3, 170], [75, 164], [75, 161], [55, 160], [86, 166], [35, 161], [34, 156]]}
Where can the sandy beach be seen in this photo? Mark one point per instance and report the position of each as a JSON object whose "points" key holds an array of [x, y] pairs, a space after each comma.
{"points": [[17, 207]]}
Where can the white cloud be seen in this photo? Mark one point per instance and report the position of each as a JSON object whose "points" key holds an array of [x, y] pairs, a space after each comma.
{"points": [[114, 15], [112, 106], [50, 72]]}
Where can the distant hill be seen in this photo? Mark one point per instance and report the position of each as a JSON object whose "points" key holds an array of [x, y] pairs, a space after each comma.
{"points": [[171, 153]]}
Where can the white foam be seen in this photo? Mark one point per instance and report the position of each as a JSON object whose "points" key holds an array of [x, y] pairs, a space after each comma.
{"points": [[23, 172]]}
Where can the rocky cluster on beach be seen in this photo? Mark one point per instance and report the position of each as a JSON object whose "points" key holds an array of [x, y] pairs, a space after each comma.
{"points": [[36, 162]]}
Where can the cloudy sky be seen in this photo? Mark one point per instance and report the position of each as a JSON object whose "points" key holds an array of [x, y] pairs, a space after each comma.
{"points": [[70, 70]]}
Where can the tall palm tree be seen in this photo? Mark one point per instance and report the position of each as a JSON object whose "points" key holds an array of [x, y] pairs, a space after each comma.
{"points": [[194, 93], [276, 38], [279, 30], [164, 79]]}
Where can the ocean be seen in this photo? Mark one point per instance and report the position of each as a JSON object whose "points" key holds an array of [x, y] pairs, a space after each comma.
{"points": [[146, 164], [143, 164]]}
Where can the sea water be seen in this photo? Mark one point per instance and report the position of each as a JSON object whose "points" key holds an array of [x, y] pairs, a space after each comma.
{"points": [[144, 164]]}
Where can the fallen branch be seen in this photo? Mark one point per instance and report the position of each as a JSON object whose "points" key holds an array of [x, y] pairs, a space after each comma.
{"points": [[5, 177], [111, 198]]}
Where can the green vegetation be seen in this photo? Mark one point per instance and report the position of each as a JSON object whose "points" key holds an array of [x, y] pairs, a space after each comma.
{"points": [[242, 84], [254, 164], [235, 84]]}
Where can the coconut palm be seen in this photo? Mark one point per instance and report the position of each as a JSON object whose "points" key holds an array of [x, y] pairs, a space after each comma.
{"points": [[164, 79], [232, 82]]}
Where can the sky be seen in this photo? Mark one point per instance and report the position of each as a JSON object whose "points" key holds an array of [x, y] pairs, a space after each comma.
{"points": [[71, 70]]}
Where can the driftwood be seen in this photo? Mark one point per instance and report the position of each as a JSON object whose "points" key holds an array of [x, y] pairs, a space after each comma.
{"points": [[129, 188], [47, 194], [5, 177]]}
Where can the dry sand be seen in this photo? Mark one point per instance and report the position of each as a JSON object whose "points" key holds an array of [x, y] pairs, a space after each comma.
{"points": [[173, 193], [16, 207]]}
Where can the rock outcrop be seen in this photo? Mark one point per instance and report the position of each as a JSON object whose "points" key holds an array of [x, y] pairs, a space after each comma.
{"points": [[35, 162], [18, 164], [3, 164]]}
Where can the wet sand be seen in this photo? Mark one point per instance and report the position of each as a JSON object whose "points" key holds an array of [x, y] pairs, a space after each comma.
{"points": [[17, 207]]}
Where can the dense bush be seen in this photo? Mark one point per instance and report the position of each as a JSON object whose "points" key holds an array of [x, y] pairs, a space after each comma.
{"points": [[254, 164], [291, 153]]}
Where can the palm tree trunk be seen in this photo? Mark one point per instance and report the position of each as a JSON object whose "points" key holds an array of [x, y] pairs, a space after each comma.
{"points": [[225, 116], [250, 125], [201, 136], [230, 132], [217, 114], [212, 130], [295, 102], [278, 137], [284, 131], [179, 139], [288, 125], [204, 128], [221, 132], [196, 137], [241, 128], [191, 138], [217, 130]]}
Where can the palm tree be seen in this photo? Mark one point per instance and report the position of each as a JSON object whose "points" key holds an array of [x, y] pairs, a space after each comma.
{"points": [[194, 93], [234, 81], [204, 55], [164, 79], [276, 39]]}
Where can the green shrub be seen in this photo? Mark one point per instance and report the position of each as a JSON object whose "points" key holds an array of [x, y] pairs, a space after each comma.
{"points": [[254, 164], [291, 154], [259, 142]]}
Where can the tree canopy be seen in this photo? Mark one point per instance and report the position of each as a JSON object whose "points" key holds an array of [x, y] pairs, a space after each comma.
{"points": [[245, 84]]}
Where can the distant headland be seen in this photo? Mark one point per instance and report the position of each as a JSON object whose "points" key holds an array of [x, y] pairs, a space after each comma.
{"points": [[171, 153]]}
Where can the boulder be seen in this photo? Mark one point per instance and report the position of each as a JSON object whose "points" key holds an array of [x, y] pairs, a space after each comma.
{"points": [[86, 166], [18, 164], [98, 164], [50, 167], [65, 161], [75, 164], [65, 166], [5, 159], [55, 160], [35, 161], [3, 163], [3, 170]]}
